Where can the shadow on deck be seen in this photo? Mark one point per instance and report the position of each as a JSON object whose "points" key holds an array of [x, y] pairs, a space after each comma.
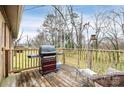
{"points": [[65, 77]]}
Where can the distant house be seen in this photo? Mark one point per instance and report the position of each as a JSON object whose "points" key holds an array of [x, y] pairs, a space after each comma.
{"points": [[19, 48], [10, 16]]}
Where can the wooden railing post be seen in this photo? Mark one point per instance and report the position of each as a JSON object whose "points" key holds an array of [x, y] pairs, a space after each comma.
{"points": [[89, 55], [6, 63], [63, 56]]}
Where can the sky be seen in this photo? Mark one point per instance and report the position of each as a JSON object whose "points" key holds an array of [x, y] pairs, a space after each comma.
{"points": [[33, 18]]}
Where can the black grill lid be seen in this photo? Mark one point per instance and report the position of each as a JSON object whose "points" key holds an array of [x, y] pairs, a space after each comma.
{"points": [[47, 49]]}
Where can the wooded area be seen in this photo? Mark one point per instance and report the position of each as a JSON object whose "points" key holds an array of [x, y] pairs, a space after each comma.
{"points": [[66, 28]]}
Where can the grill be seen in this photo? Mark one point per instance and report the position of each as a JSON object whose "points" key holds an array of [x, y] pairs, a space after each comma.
{"points": [[48, 59]]}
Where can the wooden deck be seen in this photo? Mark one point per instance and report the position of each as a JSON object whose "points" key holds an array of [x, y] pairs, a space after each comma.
{"points": [[32, 78]]}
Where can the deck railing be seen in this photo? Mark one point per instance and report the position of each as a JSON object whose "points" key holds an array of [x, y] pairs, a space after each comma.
{"points": [[98, 60], [18, 59]]}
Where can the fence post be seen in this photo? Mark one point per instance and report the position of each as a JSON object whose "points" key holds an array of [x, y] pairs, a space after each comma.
{"points": [[63, 56], [6, 63], [89, 55]]}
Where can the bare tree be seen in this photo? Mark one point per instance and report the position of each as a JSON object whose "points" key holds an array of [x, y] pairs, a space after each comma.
{"points": [[113, 31], [74, 24], [16, 42], [114, 28], [40, 39]]}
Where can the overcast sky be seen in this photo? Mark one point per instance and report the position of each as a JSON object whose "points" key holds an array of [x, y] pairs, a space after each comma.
{"points": [[33, 18]]}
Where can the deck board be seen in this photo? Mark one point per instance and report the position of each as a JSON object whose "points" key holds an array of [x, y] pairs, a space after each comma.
{"points": [[43, 81], [32, 78]]}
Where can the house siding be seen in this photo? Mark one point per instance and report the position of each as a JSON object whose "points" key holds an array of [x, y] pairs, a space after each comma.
{"points": [[5, 42], [10, 16], [1, 45]]}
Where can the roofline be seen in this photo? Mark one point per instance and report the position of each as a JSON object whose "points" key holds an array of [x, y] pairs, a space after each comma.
{"points": [[19, 11]]}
